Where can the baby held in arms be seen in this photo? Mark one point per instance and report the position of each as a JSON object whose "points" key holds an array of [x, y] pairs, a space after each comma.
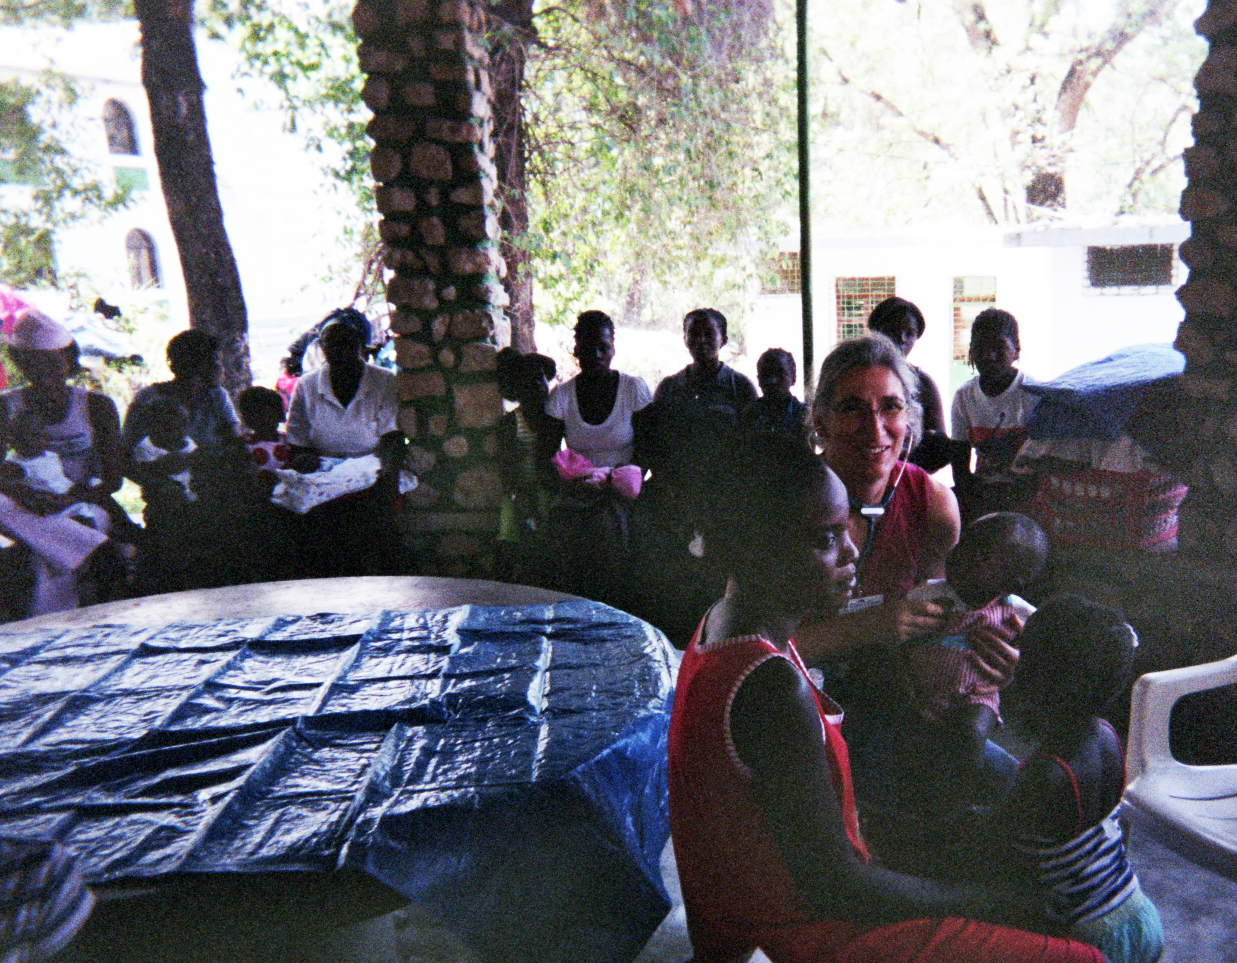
{"points": [[165, 452], [30, 462], [997, 556]]}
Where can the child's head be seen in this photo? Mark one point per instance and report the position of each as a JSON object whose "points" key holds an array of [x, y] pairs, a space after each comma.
{"points": [[262, 411], [776, 373], [525, 377], [781, 526], [1077, 658], [900, 321], [998, 554], [994, 342], [27, 435], [169, 423]]}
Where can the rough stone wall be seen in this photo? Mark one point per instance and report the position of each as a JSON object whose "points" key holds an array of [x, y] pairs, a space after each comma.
{"points": [[427, 82], [1208, 335]]}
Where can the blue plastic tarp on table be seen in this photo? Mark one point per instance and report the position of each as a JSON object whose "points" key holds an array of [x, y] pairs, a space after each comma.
{"points": [[503, 766]]}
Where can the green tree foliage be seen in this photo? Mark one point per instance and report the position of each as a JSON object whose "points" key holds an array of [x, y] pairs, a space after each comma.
{"points": [[660, 140], [1002, 111], [52, 187], [661, 154]]}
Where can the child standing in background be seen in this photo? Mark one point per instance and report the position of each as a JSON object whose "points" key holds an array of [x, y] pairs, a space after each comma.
{"points": [[776, 409], [989, 414], [1061, 816]]}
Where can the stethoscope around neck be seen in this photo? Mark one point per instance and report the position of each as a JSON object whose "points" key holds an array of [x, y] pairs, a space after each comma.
{"points": [[874, 513]]}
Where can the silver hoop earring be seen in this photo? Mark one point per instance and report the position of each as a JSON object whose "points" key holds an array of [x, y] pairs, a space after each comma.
{"points": [[816, 439]]}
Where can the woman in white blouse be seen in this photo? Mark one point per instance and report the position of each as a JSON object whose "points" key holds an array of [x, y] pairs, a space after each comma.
{"points": [[592, 412], [345, 409], [587, 529]]}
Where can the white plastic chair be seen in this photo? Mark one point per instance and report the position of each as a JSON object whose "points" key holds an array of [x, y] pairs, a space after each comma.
{"points": [[1192, 809]]}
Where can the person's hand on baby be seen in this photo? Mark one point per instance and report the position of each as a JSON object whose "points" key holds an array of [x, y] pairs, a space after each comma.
{"points": [[993, 650], [909, 618]]}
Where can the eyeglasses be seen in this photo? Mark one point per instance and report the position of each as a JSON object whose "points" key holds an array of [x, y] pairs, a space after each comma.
{"points": [[888, 410]]}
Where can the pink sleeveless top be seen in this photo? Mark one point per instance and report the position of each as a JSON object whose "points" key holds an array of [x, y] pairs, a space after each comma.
{"points": [[893, 563]]}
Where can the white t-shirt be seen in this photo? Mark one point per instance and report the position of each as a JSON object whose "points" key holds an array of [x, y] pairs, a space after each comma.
{"points": [[993, 425], [609, 444], [317, 420]]}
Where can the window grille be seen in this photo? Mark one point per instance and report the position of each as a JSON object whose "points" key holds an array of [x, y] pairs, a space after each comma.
{"points": [[786, 277], [1130, 266], [971, 295], [856, 297]]}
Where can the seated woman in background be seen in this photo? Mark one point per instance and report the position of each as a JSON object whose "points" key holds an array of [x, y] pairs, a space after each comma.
{"points": [[766, 835], [192, 543], [59, 528], [193, 358], [592, 413], [347, 409], [903, 323]]}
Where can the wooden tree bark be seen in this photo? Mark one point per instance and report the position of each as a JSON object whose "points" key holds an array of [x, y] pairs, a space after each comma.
{"points": [[186, 168], [514, 32]]}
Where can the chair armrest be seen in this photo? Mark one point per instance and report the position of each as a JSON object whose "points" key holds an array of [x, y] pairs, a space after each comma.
{"points": [[1151, 707]]}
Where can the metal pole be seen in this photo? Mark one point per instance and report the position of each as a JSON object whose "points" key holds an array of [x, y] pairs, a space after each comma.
{"points": [[805, 198]]}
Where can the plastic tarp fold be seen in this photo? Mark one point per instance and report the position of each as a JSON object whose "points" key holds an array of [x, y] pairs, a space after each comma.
{"points": [[503, 766]]}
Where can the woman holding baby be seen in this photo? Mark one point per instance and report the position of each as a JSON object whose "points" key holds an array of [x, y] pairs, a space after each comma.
{"points": [[903, 522], [347, 409], [63, 465]]}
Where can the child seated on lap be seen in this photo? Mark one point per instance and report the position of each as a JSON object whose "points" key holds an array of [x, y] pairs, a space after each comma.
{"points": [[31, 462], [262, 411], [996, 557], [164, 453]]}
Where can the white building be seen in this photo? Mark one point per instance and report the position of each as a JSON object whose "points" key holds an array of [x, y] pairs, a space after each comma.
{"points": [[283, 215], [1078, 291]]}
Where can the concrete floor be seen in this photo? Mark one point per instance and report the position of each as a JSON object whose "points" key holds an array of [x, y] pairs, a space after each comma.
{"points": [[1198, 907]]}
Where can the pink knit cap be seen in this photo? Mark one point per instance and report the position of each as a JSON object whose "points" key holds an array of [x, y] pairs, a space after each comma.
{"points": [[35, 331]]}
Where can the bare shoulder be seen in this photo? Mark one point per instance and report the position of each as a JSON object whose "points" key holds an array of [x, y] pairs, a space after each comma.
{"points": [[943, 509]]}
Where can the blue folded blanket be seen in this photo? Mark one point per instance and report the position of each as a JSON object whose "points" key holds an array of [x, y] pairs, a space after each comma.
{"points": [[1097, 399]]}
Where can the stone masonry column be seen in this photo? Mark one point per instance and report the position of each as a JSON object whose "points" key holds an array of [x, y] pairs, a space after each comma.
{"points": [[428, 85], [1208, 335]]}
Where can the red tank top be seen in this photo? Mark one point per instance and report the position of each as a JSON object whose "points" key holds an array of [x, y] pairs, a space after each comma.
{"points": [[732, 874], [893, 563]]}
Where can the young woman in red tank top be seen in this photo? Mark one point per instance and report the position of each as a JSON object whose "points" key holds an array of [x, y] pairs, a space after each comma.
{"points": [[762, 814]]}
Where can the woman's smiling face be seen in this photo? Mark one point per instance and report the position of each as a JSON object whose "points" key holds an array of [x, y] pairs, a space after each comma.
{"points": [[864, 426]]}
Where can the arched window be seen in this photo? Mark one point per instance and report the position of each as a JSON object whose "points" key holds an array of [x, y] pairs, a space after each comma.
{"points": [[143, 264], [118, 123]]}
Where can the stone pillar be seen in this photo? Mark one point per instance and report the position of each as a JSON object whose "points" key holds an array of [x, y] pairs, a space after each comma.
{"points": [[427, 82], [1208, 335]]}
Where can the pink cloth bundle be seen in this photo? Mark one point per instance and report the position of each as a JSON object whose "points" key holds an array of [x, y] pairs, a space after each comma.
{"points": [[572, 466]]}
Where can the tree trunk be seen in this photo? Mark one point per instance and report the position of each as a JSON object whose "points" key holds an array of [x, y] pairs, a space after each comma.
{"points": [[514, 32], [186, 168]]}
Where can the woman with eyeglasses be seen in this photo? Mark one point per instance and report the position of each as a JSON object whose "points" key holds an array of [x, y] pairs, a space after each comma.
{"points": [[865, 419]]}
